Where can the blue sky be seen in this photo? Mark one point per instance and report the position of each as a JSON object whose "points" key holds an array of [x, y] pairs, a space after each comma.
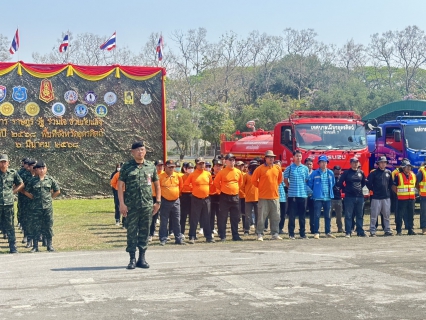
{"points": [[42, 22]]}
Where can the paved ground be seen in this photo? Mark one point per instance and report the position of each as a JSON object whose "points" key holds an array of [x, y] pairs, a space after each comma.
{"points": [[357, 278]]}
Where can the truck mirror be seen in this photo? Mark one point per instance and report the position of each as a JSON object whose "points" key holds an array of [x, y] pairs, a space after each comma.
{"points": [[379, 132], [397, 135], [287, 135]]}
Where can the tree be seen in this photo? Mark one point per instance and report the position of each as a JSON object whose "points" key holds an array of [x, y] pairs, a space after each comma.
{"points": [[4, 48]]}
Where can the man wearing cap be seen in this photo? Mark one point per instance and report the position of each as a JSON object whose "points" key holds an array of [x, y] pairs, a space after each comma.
{"points": [[159, 165], [251, 199], [321, 181], [20, 195], [10, 183], [267, 178], [228, 181], [136, 202], [170, 184], [421, 186], [351, 182], [200, 182], [380, 182], [240, 166], [24, 202], [214, 195], [336, 201], [404, 187], [41, 190], [185, 198]]}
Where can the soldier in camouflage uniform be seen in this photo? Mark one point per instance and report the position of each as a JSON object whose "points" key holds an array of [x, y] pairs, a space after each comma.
{"points": [[10, 183], [41, 189], [136, 203], [20, 172], [23, 201]]}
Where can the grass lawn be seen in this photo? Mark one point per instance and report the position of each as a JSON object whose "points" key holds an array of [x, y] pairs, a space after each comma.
{"points": [[89, 224]]}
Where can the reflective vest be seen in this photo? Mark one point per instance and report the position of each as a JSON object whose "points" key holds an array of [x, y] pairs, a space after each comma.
{"points": [[406, 186], [422, 184]]}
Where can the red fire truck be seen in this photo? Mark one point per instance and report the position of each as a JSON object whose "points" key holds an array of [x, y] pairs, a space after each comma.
{"points": [[340, 135]]}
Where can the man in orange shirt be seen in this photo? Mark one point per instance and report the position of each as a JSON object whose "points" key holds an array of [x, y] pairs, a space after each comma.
{"points": [[171, 184], [266, 178], [240, 166], [228, 181], [200, 181], [214, 194], [185, 197], [252, 197]]}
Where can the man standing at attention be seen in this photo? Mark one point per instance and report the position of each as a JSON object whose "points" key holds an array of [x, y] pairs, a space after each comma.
{"points": [[135, 197], [266, 178], [295, 177], [10, 183], [380, 182], [228, 181]]}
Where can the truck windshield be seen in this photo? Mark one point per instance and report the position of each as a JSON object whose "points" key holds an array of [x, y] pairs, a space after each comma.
{"points": [[415, 136], [330, 136]]}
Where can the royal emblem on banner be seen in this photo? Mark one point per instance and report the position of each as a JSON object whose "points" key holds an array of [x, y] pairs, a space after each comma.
{"points": [[101, 110], [46, 91], [58, 109], [90, 97], [80, 110], [32, 109], [71, 96], [110, 98], [128, 97], [2, 93], [146, 98], [19, 94], [7, 109]]}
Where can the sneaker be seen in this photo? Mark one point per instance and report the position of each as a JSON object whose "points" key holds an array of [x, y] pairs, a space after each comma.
{"points": [[281, 232], [364, 235], [276, 237], [182, 243], [163, 243], [388, 234], [372, 235], [183, 237], [214, 231], [246, 233], [117, 223], [259, 237], [210, 240], [291, 237], [171, 234], [223, 239], [149, 238], [316, 236], [347, 235], [330, 235], [340, 231], [424, 231], [305, 237], [191, 241], [201, 231], [399, 233], [237, 239], [412, 233]]}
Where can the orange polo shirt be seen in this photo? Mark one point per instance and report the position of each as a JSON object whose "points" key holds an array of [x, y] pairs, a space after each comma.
{"points": [[229, 181], [186, 188], [170, 186], [152, 184], [251, 192], [266, 179], [200, 180], [114, 180], [213, 189], [241, 192]]}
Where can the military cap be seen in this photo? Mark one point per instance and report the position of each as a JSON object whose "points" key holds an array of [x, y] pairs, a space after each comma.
{"points": [[39, 164], [4, 157], [31, 162], [137, 144]]}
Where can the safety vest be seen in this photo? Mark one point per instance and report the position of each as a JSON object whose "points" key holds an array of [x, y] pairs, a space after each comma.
{"points": [[406, 186], [422, 183]]}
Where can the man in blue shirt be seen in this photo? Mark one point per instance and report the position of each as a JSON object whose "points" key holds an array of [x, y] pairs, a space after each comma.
{"points": [[295, 177], [321, 182]]}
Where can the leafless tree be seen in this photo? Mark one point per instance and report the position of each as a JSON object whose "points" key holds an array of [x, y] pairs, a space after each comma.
{"points": [[4, 48]]}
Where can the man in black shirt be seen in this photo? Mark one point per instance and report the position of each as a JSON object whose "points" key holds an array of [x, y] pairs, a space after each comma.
{"points": [[380, 182], [352, 181], [336, 202]]}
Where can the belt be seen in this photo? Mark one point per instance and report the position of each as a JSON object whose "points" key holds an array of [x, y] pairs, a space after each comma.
{"points": [[200, 198]]}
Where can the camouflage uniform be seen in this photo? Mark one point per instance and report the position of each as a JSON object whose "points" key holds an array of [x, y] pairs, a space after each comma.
{"points": [[7, 180], [138, 199], [40, 219], [23, 203]]}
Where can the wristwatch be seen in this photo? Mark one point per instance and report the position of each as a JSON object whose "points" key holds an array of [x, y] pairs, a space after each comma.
{"points": [[159, 202]]}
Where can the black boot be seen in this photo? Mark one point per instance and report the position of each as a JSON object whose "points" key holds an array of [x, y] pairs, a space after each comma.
{"points": [[35, 245], [12, 247], [44, 242], [141, 261], [49, 245], [132, 263], [29, 243]]}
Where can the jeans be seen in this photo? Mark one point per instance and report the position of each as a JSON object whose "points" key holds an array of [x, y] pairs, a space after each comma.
{"points": [[283, 212], [354, 206], [185, 209], [296, 206], [337, 206], [311, 209], [318, 205], [423, 212]]}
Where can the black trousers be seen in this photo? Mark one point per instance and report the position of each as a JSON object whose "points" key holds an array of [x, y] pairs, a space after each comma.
{"points": [[185, 210], [200, 212], [153, 221], [405, 211], [228, 204], [296, 206], [214, 209]]}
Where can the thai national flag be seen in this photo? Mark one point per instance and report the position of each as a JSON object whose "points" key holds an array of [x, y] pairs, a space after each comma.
{"points": [[64, 45], [109, 44], [15, 43], [160, 48]]}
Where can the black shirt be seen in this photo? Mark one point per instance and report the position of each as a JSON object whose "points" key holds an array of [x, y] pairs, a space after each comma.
{"points": [[354, 182], [336, 190], [380, 182]]}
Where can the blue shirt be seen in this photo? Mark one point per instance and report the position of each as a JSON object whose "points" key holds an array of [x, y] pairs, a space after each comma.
{"points": [[281, 191], [297, 177], [325, 186], [322, 184]]}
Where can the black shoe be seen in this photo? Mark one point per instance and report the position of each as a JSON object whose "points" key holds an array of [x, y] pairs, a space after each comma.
{"points": [[141, 261], [388, 234], [49, 246], [223, 239], [12, 248], [364, 235], [210, 240], [29, 244], [411, 233], [183, 243], [237, 239], [132, 264], [35, 246], [162, 243]]}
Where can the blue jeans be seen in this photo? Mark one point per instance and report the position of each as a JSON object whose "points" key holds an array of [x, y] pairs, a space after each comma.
{"points": [[353, 206], [318, 205], [422, 212]]}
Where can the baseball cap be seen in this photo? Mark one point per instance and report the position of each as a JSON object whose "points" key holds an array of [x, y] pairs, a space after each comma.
{"points": [[382, 159], [159, 162], [337, 168], [170, 163], [229, 156], [200, 160], [218, 162], [208, 164], [323, 158], [239, 163], [4, 157], [354, 159], [190, 165]]}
